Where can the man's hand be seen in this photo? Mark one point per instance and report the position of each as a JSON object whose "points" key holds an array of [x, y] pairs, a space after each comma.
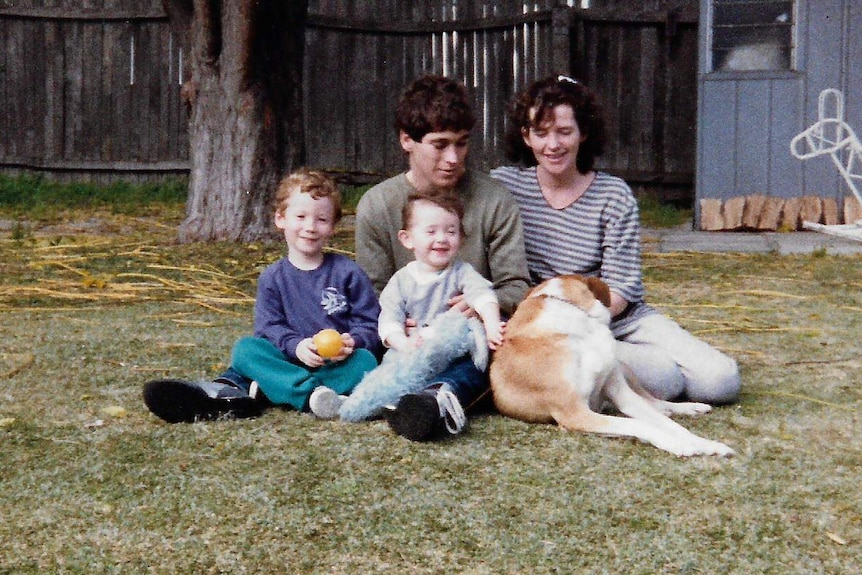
{"points": [[459, 304]]}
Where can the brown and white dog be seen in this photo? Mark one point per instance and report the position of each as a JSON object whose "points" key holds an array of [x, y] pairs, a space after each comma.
{"points": [[559, 363]]}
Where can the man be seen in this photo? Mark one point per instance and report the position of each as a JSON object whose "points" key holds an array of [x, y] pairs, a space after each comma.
{"points": [[434, 119]]}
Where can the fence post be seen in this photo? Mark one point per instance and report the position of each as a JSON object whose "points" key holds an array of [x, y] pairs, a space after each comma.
{"points": [[561, 44]]}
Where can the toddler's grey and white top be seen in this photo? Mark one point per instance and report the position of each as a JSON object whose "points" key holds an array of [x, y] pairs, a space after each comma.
{"points": [[422, 295]]}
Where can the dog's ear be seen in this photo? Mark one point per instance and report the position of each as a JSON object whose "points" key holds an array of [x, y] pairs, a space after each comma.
{"points": [[600, 289]]}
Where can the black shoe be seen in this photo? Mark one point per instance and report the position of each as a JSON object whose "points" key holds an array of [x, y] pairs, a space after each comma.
{"points": [[422, 416], [178, 401], [415, 416]]}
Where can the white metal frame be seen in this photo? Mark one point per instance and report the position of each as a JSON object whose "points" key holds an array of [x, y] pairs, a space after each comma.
{"points": [[832, 136]]}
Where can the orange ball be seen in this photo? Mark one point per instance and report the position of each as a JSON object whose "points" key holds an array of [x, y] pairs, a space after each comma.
{"points": [[328, 343]]}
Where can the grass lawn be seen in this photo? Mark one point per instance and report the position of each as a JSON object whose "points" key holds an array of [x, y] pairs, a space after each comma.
{"points": [[93, 483]]}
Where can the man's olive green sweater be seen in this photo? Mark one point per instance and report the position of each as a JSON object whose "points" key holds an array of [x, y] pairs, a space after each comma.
{"points": [[493, 245]]}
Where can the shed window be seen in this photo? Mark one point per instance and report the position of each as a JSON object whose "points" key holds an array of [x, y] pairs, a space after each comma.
{"points": [[752, 35]]}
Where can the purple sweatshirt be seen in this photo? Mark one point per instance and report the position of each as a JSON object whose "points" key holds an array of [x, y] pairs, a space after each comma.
{"points": [[294, 304]]}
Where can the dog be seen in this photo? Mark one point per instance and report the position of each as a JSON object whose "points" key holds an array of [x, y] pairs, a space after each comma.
{"points": [[558, 363]]}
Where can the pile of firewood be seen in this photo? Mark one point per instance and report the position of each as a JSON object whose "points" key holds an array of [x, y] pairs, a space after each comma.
{"points": [[765, 213]]}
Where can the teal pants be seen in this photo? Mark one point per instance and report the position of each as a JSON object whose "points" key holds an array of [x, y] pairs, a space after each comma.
{"points": [[287, 383]]}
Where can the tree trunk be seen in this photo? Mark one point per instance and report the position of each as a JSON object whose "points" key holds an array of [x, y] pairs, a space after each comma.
{"points": [[244, 95]]}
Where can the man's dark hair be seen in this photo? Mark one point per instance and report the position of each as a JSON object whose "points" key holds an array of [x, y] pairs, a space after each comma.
{"points": [[434, 104]]}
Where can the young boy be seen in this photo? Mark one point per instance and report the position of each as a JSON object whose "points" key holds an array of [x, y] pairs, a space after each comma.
{"points": [[297, 296], [433, 120]]}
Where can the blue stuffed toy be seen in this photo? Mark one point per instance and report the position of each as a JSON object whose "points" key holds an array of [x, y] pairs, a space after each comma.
{"points": [[450, 336]]}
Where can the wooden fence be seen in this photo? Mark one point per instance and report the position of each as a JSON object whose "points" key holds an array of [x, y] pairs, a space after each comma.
{"points": [[96, 91], [91, 92], [640, 57]]}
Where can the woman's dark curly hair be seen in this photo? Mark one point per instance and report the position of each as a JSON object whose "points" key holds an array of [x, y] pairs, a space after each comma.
{"points": [[543, 96], [433, 104]]}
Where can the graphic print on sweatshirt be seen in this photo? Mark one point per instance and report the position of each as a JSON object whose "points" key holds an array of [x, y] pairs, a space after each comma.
{"points": [[332, 301]]}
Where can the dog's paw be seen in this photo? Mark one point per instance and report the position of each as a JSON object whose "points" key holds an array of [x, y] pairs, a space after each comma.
{"points": [[689, 408], [717, 448], [701, 446]]}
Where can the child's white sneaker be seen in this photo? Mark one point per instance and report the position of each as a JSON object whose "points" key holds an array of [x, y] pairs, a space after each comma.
{"points": [[325, 403]]}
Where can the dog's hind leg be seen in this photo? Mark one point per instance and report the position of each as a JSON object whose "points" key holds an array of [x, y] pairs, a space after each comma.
{"points": [[589, 421], [690, 408], [643, 409]]}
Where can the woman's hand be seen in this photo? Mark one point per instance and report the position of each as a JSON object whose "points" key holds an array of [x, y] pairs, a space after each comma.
{"points": [[618, 304]]}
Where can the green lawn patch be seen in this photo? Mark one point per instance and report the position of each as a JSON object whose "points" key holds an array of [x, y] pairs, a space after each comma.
{"points": [[93, 483]]}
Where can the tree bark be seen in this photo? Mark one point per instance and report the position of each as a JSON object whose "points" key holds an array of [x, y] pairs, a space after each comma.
{"points": [[244, 96]]}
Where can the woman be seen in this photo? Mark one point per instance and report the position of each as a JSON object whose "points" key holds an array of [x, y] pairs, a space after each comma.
{"points": [[578, 220]]}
